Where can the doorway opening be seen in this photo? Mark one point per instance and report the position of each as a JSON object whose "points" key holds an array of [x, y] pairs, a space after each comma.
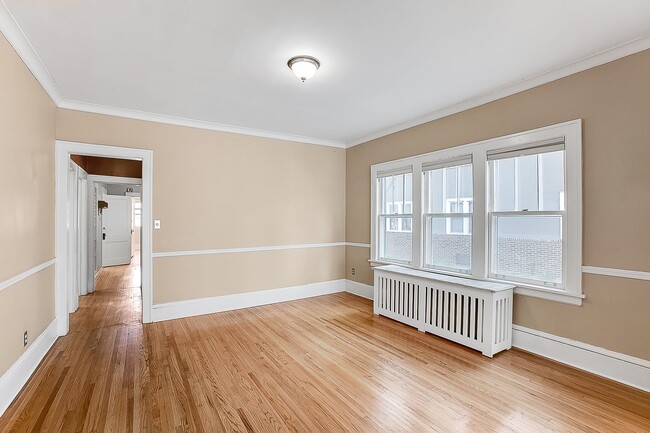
{"points": [[103, 219]]}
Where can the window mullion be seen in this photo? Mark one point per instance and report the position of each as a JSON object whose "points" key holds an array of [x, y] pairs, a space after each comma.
{"points": [[540, 181], [416, 210], [479, 216]]}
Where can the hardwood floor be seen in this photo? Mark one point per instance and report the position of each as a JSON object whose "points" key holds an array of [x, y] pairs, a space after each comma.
{"points": [[323, 364]]}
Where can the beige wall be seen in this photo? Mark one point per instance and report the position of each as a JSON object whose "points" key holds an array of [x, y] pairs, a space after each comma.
{"points": [[614, 102], [25, 306], [226, 274], [27, 130], [215, 190]]}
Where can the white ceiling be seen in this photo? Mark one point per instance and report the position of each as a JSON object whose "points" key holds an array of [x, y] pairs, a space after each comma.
{"points": [[384, 62]]}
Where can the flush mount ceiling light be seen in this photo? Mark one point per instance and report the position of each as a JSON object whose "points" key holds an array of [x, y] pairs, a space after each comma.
{"points": [[303, 66]]}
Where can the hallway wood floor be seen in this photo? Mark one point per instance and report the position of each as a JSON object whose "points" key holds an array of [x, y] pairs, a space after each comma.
{"points": [[323, 364]]}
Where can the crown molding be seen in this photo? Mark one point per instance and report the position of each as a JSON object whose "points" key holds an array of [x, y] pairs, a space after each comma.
{"points": [[192, 123], [18, 40], [600, 58], [16, 37], [20, 43]]}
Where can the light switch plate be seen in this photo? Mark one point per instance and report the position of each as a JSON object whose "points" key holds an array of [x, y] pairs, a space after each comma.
{"points": [[156, 224]]}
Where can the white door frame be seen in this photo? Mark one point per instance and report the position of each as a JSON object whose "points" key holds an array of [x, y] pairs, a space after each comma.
{"points": [[63, 151], [82, 211], [72, 236]]}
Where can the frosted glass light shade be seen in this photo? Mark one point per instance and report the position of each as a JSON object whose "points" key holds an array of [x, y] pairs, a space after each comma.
{"points": [[304, 67]]}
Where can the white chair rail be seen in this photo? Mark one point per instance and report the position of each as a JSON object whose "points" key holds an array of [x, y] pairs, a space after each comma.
{"points": [[477, 314]]}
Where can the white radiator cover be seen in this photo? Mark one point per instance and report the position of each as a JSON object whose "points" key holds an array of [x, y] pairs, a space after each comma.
{"points": [[477, 314]]}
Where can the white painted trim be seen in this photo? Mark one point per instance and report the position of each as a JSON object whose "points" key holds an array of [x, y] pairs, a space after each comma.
{"points": [[192, 123], [197, 307], [364, 290], [62, 155], [357, 244], [622, 368], [606, 56], [14, 379], [611, 272], [551, 295], [28, 273], [115, 179], [247, 249], [16, 37], [571, 132]]}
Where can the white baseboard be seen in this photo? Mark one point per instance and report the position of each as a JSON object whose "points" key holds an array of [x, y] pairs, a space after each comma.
{"points": [[19, 373], [622, 368], [217, 304], [359, 289], [197, 307]]}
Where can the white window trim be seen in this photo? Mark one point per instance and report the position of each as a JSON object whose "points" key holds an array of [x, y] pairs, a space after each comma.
{"points": [[572, 133]]}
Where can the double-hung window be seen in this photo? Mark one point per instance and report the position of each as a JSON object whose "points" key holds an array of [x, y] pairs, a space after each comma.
{"points": [[527, 214], [395, 218], [448, 198], [505, 209]]}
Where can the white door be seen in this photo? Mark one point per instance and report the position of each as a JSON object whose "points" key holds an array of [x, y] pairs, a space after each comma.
{"points": [[137, 222], [116, 220]]}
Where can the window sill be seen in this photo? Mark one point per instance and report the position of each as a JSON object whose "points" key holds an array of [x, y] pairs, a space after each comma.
{"points": [[520, 289], [550, 295]]}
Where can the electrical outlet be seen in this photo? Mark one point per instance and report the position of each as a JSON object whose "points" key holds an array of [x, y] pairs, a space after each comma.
{"points": [[354, 271], [156, 224], [25, 339]]}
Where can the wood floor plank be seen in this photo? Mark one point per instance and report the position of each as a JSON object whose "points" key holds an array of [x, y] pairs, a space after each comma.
{"points": [[324, 364]]}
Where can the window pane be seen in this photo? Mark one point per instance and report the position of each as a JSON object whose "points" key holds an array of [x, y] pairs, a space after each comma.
{"points": [[396, 194], [465, 187], [408, 188], [449, 243], [456, 225], [398, 188], [532, 182], [395, 241], [385, 194], [451, 183], [552, 180], [450, 189], [528, 247]]}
